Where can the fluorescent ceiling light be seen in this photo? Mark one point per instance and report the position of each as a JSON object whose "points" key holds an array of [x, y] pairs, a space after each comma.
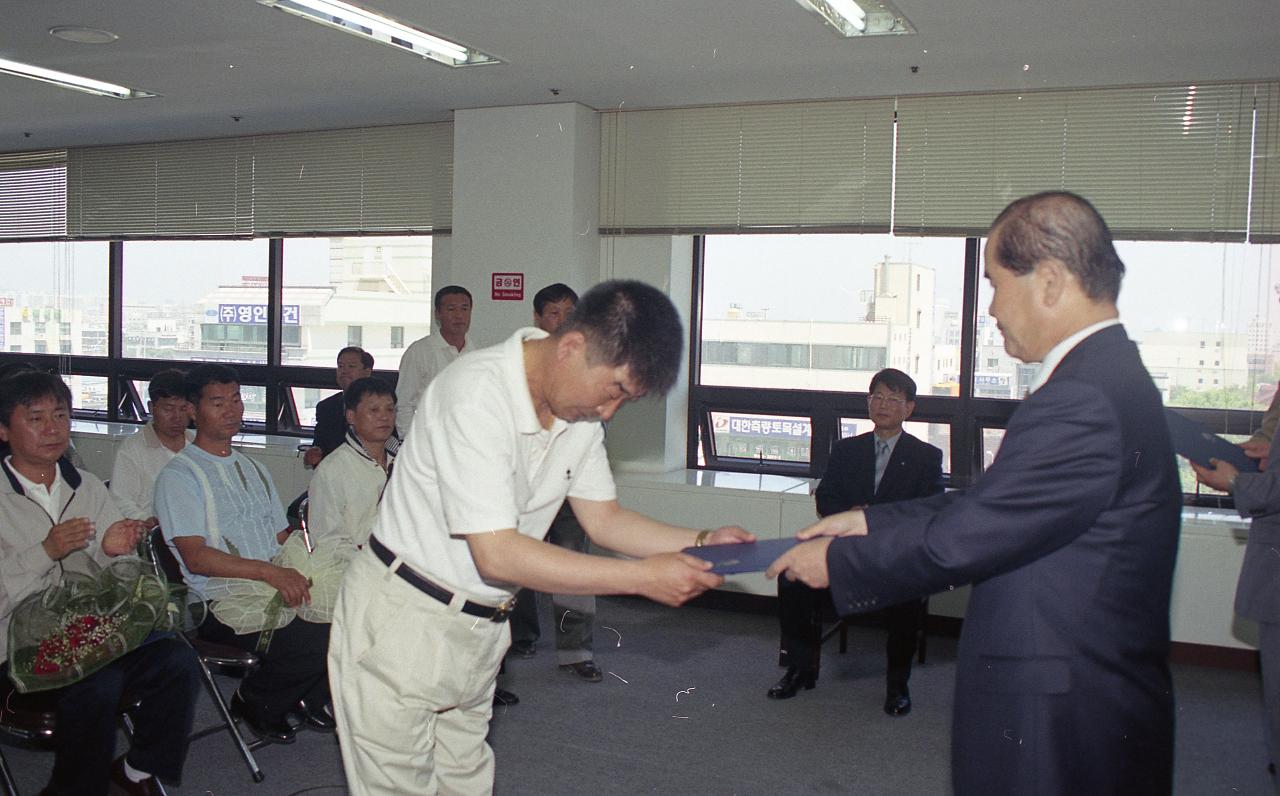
{"points": [[67, 80], [384, 30], [850, 18]]}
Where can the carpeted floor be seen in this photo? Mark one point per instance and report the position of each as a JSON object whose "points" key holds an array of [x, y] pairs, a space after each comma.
{"points": [[682, 710]]}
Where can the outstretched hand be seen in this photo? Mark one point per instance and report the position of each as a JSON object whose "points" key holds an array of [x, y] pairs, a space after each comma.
{"points": [[806, 562], [675, 578], [844, 523], [1219, 477]]}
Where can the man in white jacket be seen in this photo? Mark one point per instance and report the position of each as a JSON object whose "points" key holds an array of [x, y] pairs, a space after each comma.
{"points": [[54, 520]]}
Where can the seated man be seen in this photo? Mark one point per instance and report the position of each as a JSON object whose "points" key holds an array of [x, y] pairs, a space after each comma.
{"points": [[142, 456], [55, 519], [331, 422], [881, 466], [220, 511], [348, 484]]}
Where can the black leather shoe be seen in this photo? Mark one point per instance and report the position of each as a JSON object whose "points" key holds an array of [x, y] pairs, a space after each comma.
{"points": [[897, 703], [317, 717], [271, 730], [587, 670], [791, 682], [504, 697], [120, 784]]}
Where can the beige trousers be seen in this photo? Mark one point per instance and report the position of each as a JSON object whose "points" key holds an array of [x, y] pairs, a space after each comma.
{"points": [[412, 681]]}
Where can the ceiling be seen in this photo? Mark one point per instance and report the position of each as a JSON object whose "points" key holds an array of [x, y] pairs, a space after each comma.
{"points": [[234, 67]]}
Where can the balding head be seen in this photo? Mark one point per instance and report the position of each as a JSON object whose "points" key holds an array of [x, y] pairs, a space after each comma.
{"points": [[1061, 226]]}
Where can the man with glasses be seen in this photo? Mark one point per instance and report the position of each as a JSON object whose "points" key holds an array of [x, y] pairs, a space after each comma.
{"points": [[881, 466]]}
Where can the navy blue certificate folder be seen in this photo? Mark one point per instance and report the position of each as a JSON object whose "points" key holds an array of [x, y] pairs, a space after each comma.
{"points": [[730, 559], [1191, 440]]}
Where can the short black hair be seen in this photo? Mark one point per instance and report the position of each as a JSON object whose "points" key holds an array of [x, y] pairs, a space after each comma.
{"points": [[894, 380], [1063, 226], [25, 387], [203, 375], [171, 383], [450, 290], [369, 385], [630, 323], [366, 359], [551, 294]]}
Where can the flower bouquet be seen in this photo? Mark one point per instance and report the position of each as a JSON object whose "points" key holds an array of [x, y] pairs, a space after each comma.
{"points": [[252, 606], [72, 629]]}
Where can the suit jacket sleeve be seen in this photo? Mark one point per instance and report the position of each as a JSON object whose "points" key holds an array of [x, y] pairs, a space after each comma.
{"points": [[1058, 468], [838, 490], [331, 424]]}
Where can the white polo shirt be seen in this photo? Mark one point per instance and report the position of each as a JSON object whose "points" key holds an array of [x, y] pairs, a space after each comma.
{"points": [[139, 459], [421, 362], [477, 460]]}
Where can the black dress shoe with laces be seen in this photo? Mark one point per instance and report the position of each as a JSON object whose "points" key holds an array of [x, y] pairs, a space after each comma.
{"points": [[271, 730], [317, 717], [501, 696], [791, 682], [897, 703]]}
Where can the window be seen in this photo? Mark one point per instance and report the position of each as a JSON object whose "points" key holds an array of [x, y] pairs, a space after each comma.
{"points": [[64, 346], [53, 282], [196, 300], [825, 312], [344, 291]]}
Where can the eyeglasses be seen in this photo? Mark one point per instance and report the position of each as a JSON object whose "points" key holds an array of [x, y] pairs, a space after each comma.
{"points": [[889, 400]]}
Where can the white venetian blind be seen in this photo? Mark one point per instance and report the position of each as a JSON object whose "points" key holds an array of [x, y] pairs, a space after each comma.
{"points": [[1168, 162], [790, 166], [33, 194], [375, 179], [381, 179], [1265, 224], [173, 189]]}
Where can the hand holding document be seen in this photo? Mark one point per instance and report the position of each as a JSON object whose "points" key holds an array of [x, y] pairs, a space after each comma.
{"points": [[1201, 447]]}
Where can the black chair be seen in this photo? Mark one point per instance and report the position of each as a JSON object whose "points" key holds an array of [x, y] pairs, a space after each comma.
{"points": [[32, 720], [922, 637], [211, 656]]}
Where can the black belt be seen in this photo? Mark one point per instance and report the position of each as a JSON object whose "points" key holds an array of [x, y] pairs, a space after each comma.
{"points": [[437, 592]]}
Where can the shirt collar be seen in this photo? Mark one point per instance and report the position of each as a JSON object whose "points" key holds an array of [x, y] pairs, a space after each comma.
{"points": [[1060, 351], [518, 381], [152, 439]]}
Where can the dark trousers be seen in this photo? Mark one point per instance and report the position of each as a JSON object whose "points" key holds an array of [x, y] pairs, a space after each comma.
{"points": [[800, 611], [575, 614], [164, 676], [293, 667]]}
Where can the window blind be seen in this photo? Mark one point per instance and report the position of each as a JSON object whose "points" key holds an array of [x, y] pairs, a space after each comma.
{"points": [[374, 179], [33, 194], [173, 189], [380, 179], [789, 166], [1167, 162], [1264, 226]]}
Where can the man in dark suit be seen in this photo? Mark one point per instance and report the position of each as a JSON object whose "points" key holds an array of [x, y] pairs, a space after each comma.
{"points": [[1062, 681], [331, 413], [1257, 497], [881, 466]]}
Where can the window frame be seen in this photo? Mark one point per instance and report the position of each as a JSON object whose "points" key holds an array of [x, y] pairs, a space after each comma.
{"points": [[125, 404], [966, 414]]}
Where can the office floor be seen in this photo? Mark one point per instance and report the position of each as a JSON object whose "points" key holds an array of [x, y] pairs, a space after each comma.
{"points": [[682, 710]]}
